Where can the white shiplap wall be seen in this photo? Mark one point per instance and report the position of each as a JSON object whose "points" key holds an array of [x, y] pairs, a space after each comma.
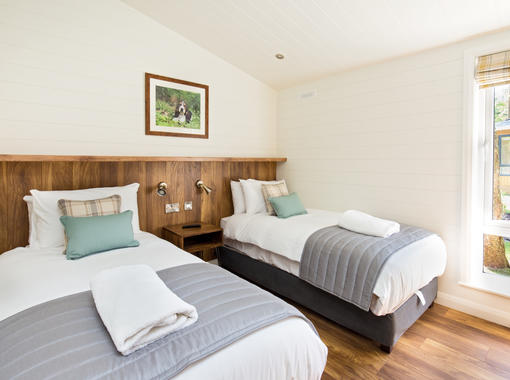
{"points": [[72, 82], [387, 139]]}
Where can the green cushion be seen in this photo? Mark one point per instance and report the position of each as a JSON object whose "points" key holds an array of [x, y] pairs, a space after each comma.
{"points": [[93, 234], [287, 205]]}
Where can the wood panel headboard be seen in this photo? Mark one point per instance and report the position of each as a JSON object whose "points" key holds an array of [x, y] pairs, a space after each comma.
{"points": [[20, 173]]}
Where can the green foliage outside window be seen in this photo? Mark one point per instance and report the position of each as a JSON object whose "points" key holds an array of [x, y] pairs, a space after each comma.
{"points": [[501, 100]]}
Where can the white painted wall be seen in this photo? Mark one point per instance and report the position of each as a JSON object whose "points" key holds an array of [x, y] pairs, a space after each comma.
{"points": [[72, 82], [387, 139]]}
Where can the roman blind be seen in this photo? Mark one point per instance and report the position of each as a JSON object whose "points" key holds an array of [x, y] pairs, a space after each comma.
{"points": [[493, 69]]}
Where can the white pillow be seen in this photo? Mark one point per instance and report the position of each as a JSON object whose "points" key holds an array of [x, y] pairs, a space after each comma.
{"points": [[237, 197], [32, 229], [49, 230], [253, 197]]}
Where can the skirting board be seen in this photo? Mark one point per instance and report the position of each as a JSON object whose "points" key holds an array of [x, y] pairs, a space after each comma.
{"points": [[488, 313]]}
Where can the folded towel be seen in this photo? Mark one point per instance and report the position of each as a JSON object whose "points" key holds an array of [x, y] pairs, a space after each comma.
{"points": [[362, 223], [137, 307]]}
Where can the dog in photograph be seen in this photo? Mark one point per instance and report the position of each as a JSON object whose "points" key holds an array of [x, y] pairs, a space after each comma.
{"points": [[182, 114]]}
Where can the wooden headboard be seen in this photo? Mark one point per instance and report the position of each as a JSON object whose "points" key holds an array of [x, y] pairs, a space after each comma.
{"points": [[20, 173]]}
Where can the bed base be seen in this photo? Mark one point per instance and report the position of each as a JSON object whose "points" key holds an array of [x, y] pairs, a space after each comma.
{"points": [[384, 330]]}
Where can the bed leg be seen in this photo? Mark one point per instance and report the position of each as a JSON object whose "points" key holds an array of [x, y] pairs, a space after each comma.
{"points": [[386, 349]]}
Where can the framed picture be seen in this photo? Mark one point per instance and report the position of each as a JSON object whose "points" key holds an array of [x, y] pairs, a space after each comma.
{"points": [[175, 107], [504, 155]]}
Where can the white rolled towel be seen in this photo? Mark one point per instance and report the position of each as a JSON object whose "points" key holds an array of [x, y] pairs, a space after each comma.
{"points": [[362, 223], [137, 307]]}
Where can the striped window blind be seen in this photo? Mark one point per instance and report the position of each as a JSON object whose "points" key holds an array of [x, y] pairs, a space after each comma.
{"points": [[493, 69]]}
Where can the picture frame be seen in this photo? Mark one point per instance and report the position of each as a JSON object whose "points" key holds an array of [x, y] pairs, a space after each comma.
{"points": [[176, 107]]}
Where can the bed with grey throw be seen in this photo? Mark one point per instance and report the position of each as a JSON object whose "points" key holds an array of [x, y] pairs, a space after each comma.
{"points": [[66, 339], [347, 264]]}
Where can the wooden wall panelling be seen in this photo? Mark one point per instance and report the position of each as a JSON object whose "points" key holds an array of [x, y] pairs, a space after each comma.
{"points": [[86, 175], [57, 176], [225, 202], [236, 170], [156, 217], [249, 171], [266, 170], [108, 173], [212, 175], [192, 172], [4, 204], [18, 177], [174, 177], [44, 157], [131, 172], [21, 177]]}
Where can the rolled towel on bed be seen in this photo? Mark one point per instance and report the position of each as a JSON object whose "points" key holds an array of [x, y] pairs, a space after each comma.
{"points": [[137, 307], [362, 223]]}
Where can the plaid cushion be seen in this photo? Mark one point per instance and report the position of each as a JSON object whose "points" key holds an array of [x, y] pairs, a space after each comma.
{"points": [[95, 207], [273, 191]]}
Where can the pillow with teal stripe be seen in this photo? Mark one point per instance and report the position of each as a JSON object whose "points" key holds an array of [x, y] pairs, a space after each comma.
{"points": [[94, 234], [287, 205]]}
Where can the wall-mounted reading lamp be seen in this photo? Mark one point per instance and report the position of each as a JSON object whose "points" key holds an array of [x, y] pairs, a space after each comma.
{"points": [[202, 186], [161, 189]]}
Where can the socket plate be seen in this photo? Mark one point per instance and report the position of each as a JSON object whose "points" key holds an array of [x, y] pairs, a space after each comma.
{"points": [[171, 207]]}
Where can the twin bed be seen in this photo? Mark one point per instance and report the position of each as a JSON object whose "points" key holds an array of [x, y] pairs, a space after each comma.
{"points": [[29, 277], [268, 251]]}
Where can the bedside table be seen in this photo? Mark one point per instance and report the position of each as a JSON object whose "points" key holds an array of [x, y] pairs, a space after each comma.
{"points": [[197, 240]]}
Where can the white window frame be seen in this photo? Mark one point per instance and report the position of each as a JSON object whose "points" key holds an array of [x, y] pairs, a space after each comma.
{"points": [[477, 180]]}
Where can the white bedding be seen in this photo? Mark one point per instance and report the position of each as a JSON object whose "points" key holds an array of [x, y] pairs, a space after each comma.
{"points": [[287, 349], [402, 275]]}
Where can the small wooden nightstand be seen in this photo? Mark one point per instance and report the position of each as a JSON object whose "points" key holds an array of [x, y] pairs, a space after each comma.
{"points": [[200, 241]]}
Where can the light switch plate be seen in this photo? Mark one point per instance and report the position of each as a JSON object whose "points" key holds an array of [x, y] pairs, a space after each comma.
{"points": [[171, 207], [188, 206]]}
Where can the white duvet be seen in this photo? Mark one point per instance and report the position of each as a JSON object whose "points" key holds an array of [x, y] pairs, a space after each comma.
{"points": [[287, 349], [402, 275]]}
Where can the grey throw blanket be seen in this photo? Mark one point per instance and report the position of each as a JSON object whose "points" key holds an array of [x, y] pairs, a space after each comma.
{"points": [[66, 339], [347, 264]]}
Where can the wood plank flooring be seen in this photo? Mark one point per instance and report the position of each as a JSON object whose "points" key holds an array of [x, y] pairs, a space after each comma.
{"points": [[442, 344]]}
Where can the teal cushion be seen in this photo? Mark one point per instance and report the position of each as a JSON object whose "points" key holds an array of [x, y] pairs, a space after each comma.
{"points": [[287, 205], [93, 234]]}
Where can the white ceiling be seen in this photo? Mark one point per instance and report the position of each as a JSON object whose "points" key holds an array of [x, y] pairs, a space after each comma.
{"points": [[320, 37]]}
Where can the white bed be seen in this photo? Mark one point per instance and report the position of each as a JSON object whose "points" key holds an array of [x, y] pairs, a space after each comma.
{"points": [[284, 350], [280, 242]]}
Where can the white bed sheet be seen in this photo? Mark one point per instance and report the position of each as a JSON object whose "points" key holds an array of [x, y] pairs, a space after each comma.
{"points": [[284, 350], [280, 242]]}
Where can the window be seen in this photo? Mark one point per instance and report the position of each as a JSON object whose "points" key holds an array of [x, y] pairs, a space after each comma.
{"points": [[496, 248], [487, 175]]}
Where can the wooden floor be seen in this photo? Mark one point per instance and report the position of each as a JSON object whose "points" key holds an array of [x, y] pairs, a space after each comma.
{"points": [[442, 344]]}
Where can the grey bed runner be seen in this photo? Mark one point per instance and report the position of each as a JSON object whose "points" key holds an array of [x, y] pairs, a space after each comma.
{"points": [[66, 339], [347, 264]]}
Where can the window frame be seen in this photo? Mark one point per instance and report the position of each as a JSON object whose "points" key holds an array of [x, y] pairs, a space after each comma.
{"points": [[477, 182]]}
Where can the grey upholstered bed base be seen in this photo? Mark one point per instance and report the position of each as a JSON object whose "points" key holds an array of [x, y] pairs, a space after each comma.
{"points": [[384, 330]]}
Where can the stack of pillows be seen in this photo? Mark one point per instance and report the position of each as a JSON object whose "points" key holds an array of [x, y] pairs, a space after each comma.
{"points": [[251, 196], [83, 222]]}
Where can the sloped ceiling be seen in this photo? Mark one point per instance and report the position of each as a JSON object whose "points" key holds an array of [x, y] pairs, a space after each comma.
{"points": [[320, 37]]}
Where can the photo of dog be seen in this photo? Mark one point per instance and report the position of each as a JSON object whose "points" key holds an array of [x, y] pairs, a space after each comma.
{"points": [[177, 108], [182, 114]]}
